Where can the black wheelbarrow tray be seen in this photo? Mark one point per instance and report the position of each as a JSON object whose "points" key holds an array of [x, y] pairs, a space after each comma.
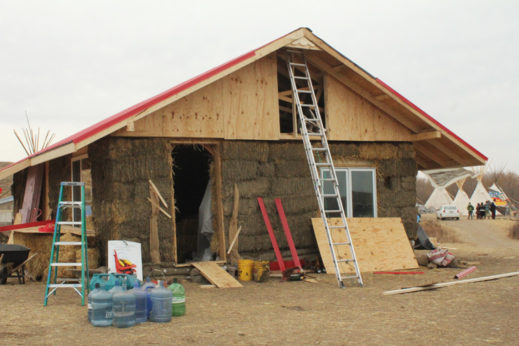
{"points": [[13, 259]]}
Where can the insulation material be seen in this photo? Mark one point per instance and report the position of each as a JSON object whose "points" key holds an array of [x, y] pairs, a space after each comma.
{"points": [[439, 197], [205, 226], [461, 201]]}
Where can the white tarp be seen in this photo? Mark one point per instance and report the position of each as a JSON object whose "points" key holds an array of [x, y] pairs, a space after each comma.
{"points": [[439, 197], [461, 201], [447, 176]]}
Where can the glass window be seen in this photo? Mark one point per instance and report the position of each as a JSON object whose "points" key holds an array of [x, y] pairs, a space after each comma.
{"points": [[357, 190]]}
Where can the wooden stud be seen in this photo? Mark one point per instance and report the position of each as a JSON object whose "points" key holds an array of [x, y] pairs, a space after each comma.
{"points": [[219, 205], [158, 193]]}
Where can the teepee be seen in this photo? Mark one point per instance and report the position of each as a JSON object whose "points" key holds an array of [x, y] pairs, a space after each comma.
{"points": [[438, 197], [480, 194], [462, 199]]}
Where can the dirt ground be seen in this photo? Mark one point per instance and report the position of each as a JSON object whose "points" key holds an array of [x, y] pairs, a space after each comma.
{"points": [[307, 313]]}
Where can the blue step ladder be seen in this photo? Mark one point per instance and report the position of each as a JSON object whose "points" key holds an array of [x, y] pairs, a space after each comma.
{"points": [[80, 285]]}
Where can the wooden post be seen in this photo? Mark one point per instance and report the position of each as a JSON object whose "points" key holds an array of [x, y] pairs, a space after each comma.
{"points": [[154, 227], [219, 206], [234, 256]]}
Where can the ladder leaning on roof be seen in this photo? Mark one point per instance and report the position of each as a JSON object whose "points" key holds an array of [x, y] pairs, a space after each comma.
{"points": [[319, 156], [53, 282]]}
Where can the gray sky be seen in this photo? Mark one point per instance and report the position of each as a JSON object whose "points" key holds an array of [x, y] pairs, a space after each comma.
{"points": [[70, 64]]}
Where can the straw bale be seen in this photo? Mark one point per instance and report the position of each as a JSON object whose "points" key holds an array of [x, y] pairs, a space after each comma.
{"points": [[287, 151], [237, 170], [344, 149], [292, 168], [245, 150], [297, 205], [380, 151], [67, 254], [266, 169], [40, 243], [300, 186], [93, 257], [254, 188]]}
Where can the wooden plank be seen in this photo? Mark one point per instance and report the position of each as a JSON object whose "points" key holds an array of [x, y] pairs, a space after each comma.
{"points": [[219, 204], [346, 109], [381, 244], [426, 135], [31, 198], [449, 283], [154, 228], [216, 275], [233, 228]]}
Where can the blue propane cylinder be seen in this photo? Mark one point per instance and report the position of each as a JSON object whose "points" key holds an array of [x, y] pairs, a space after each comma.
{"points": [[141, 303], [123, 308], [161, 299], [100, 307]]}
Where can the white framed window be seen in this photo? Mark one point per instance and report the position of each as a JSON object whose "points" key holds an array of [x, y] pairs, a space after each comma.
{"points": [[357, 187]]}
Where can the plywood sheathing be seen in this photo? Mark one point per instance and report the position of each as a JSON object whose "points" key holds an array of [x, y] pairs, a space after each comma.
{"points": [[242, 105], [380, 244]]}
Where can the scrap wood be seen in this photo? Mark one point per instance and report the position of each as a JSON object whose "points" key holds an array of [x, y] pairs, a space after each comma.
{"points": [[399, 273], [154, 228], [207, 286], [449, 283], [158, 193], [234, 240], [216, 275], [160, 208], [465, 272]]}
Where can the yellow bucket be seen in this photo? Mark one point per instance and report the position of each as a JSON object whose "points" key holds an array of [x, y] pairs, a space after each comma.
{"points": [[245, 269], [261, 271]]}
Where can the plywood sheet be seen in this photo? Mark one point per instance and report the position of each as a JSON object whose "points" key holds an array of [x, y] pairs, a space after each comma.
{"points": [[216, 275], [351, 117], [251, 101], [380, 244]]}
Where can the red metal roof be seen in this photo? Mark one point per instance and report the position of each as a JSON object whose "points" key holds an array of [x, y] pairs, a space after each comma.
{"points": [[136, 109]]}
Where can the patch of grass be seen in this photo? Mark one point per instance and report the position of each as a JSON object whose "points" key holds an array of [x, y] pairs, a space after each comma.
{"points": [[442, 234], [514, 231]]}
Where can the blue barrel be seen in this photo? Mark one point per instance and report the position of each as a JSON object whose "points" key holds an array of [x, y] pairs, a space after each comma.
{"points": [[123, 308], [161, 299], [100, 307]]}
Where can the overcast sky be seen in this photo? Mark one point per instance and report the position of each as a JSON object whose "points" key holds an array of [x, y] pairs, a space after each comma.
{"points": [[69, 64]]}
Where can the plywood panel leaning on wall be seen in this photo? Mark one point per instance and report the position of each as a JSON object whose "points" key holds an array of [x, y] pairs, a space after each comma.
{"points": [[351, 117], [251, 101], [379, 243]]}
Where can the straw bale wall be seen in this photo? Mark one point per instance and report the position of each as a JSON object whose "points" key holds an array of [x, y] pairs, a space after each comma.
{"points": [[279, 169], [121, 168]]}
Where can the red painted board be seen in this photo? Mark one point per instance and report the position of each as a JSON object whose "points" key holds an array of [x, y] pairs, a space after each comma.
{"points": [[271, 234], [288, 234], [25, 225]]}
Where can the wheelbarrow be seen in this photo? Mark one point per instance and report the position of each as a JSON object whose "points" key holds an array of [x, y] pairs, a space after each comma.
{"points": [[12, 262]]}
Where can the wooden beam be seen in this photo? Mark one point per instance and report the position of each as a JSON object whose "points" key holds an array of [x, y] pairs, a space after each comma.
{"points": [[219, 204], [423, 136], [434, 155], [382, 97]]}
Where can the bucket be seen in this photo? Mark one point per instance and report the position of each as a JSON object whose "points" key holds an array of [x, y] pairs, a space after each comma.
{"points": [[245, 267], [261, 271]]}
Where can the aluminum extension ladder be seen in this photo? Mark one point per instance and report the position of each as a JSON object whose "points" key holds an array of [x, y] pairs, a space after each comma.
{"points": [[319, 156], [80, 285]]}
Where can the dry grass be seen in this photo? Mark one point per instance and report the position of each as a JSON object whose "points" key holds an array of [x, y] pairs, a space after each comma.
{"points": [[442, 233]]}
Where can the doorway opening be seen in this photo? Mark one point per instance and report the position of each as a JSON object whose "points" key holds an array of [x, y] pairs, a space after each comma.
{"points": [[193, 207]]}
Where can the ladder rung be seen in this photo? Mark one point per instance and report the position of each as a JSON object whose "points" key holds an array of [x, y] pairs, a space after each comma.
{"points": [[346, 260], [319, 149], [66, 264], [342, 243], [336, 227], [64, 285], [301, 77], [323, 164], [350, 277], [307, 105], [301, 91], [72, 183], [329, 195], [73, 223], [297, 64], [333, 211], [70, 202], [315, 134], [67, 243]]}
